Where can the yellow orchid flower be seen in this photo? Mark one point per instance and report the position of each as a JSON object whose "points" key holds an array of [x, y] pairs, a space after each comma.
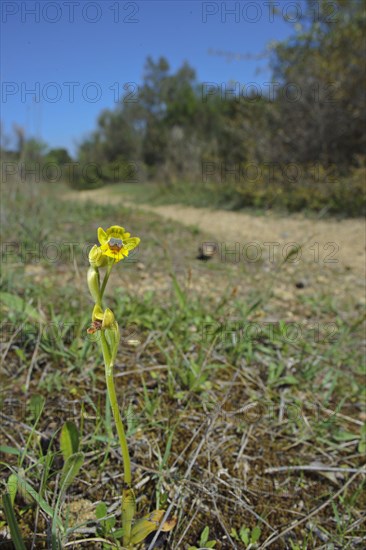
{"points": [[116, 242]]}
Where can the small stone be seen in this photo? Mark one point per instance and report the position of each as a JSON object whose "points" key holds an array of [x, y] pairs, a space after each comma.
{"points": [[284, 295]]}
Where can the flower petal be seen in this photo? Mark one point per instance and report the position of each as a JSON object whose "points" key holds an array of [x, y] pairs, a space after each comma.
{"points": [[105, 248], [131, 243], [98, 313], [102, 236], [115, 231]]}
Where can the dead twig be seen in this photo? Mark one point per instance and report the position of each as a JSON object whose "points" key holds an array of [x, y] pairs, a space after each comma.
{"points": [[314, 469]]}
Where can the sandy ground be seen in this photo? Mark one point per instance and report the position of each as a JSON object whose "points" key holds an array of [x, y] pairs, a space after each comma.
{"points": [[340, 243]]}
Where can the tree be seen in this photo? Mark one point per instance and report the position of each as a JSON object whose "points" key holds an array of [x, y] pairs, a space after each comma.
{"points": [[321, 101], [59, 156], [34, 150]]}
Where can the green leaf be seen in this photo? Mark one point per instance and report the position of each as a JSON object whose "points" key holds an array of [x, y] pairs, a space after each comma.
{"points": [[149, 523], [69, 440], [36, 405], [289, 380], [234, 534], [244, 535], [345, 436], [141, 529], [128, 513], [256, 533], [70, 470], [118, 533], [9, 450], [362, 444], [12, 522], [204, 536], [12, 486], [101, 510]]}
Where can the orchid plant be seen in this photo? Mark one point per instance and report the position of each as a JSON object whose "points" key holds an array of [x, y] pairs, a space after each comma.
{"points": [[115, 245]]}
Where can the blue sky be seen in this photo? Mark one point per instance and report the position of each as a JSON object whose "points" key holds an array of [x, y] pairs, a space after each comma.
{"points": [[77, 56]]}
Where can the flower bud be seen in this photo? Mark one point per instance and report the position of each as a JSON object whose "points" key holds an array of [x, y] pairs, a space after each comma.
{"points": [[98, 313], [93, 284], [97, 258], [108, 319]]}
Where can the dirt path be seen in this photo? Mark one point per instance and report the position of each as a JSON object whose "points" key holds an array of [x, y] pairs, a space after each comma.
{"points": [[340, 243]]}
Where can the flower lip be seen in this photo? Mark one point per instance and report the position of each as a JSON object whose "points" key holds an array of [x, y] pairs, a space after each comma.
{"points": [[115, 244], [96, 325]]}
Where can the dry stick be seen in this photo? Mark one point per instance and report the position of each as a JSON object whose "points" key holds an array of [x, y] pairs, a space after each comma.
{"points": [[345, 417], [315, 511], [21, 424], [355, 523], [140, 371], [223, 525], [90, 540], [244, 443], [314, 469], [187, 528], [14, 442]]}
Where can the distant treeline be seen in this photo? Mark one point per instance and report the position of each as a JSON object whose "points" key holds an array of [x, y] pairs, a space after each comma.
{"points": [[298, 141]]}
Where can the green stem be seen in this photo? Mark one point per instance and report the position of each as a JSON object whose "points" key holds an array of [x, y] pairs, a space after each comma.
{"points": [[105, 280], [114, 405]]}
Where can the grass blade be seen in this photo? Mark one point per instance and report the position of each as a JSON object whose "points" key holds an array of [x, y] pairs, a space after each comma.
{"points": [[12, 522], [39, 500], [178, 292]]}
